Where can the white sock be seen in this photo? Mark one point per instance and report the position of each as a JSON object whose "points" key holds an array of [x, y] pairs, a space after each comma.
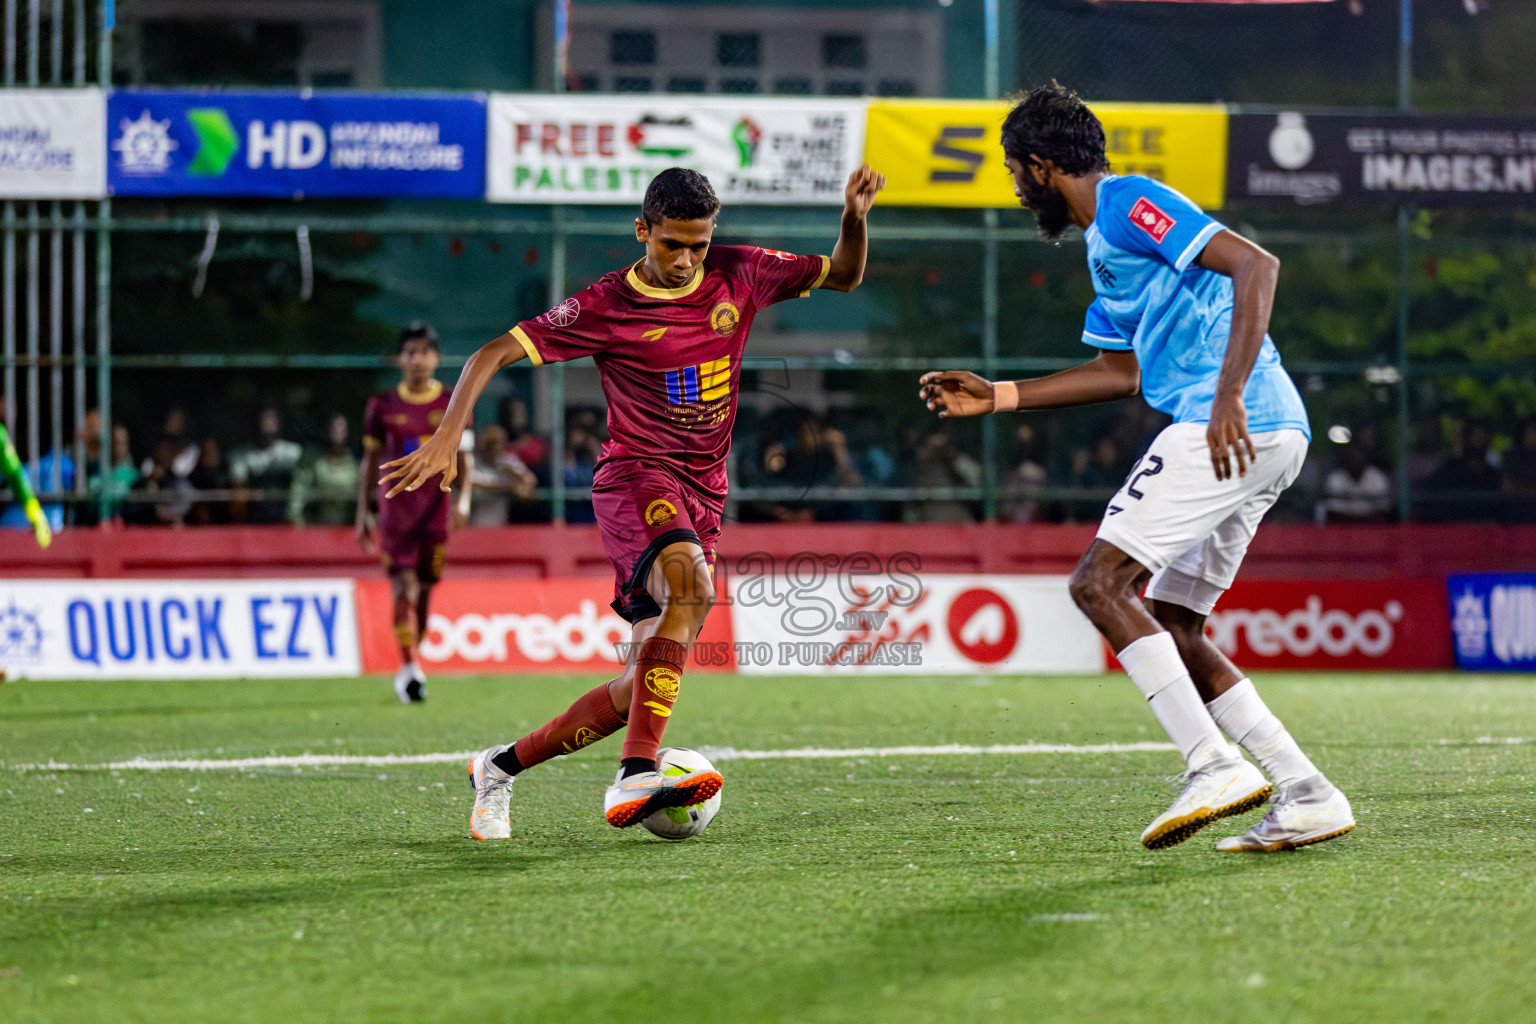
{"points": [[1243, 716], [1154, 665]]}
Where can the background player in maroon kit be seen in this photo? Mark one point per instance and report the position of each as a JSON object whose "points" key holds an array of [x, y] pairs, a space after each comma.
{"points": [[667, 335], [411, 531]]}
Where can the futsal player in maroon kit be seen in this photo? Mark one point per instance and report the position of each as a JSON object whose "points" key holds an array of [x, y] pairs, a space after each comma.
{"points": [[667, 335], [410, 534]]}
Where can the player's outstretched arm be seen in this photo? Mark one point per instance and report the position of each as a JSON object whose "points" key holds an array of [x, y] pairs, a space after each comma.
{"points": [[439, 454], [1254, 273], [1109, 377], [846, 271]]}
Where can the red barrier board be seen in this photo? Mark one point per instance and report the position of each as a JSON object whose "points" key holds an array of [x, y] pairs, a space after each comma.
{"points": [[521, 626], [1334, 624]]}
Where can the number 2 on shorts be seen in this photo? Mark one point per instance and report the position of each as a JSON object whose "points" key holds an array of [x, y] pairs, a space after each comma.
{"points": [[1153, 467]]}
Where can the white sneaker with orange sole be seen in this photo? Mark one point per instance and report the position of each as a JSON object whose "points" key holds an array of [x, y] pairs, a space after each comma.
{"points": [[492, 816], [639, 796]]}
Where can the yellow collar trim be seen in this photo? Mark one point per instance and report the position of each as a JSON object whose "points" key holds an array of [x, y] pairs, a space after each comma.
{"points": [[633, 277], [413, 398]]}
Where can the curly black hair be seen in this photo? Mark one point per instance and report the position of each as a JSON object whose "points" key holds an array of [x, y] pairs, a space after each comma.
{"points": [[681, 194], [416, 330], [1053, 123]]}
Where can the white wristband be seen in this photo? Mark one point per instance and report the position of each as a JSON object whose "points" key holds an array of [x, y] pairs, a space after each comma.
{"points": [[1005, 396]]}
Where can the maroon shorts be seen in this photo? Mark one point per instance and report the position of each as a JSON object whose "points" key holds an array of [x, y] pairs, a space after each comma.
{"points": [[421, 550], [641, 508]]}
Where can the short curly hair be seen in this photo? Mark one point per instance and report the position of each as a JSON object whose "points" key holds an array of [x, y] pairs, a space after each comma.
{"points": [[1053, 123], [681, 194]]}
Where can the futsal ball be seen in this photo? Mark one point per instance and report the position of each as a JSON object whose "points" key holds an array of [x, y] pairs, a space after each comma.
{"points": [[682, 822]]}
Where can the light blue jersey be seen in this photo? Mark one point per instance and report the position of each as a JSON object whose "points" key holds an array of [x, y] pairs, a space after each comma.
{"points": [[1176, 316]]}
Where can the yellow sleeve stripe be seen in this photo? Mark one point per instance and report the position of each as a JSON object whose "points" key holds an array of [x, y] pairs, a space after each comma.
{"points": [[528, 347], [826, 268]]}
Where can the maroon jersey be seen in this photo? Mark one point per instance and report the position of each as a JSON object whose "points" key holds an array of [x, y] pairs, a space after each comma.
{"points": [[398, 422], [670, 358]]}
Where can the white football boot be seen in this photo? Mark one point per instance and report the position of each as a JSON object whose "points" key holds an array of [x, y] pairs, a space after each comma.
{"points": [[1304, 812], [1217, 789], [491, 818], [639, 796], [411, 684]]}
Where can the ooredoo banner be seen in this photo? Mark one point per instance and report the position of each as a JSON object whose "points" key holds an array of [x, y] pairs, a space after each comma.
{"points": [[52, 144], [949, 153], [574, 149], [911, 623], [1334, 624], [165, 143], [184, 629], [498, 626]]}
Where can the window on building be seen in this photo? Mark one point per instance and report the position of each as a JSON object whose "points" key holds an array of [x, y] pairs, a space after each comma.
{"points": [[845, 87], [685, 83], [740, 85], [793, 87], [738, 49], [631, 83], [844, 51], [632, 46]]}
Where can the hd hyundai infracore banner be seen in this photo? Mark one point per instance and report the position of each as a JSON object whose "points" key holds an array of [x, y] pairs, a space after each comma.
{"points": [[295, 145]]}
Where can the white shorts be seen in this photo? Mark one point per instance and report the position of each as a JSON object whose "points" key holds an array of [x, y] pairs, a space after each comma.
{"points": [[1174, 517]]}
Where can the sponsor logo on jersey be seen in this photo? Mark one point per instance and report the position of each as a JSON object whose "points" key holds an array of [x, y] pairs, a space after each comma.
{"points": [[1150, 219], [435, 417], [724, 318], [660, 512], [780, 253], [703, 383], [663, 682]]}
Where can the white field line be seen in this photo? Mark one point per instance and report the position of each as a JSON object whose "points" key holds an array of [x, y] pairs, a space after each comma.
{"points": [[301, 761]]}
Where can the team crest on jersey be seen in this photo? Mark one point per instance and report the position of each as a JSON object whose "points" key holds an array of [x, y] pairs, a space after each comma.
{"points": [[724, 318], [1150, 219], [703, 383], [660, 512], [564, 314]]}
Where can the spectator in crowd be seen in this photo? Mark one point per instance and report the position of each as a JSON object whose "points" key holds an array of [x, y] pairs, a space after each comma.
{"points": [[531, 449], [502, 480], [1426, 452], [1356, 491], [122, 476], [1519, 467], [325, 485], [55, 474], [582, 448], [1453, 490], [268, 466], [168, 469], [943, 464], [210, 474], [799, 453], [1021, 485]]}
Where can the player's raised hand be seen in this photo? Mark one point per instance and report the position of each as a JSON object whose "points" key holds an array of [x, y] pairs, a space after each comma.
{"points": [[863, 184], [439, 454], [1227, 435], [954, 393]]}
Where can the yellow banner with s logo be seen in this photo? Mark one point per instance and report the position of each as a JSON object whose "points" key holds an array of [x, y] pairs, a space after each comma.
{"points": [[948, 153]]}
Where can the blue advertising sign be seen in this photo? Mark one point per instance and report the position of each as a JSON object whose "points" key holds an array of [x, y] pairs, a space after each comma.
{"points": [[295, 146], [1493, 620]]}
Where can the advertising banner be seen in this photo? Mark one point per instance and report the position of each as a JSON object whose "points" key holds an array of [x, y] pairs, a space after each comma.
{"points": [[1333, 624], [575, 149], [911, 624], [292, 145], [1315, 157], [501, 626], [53, 144], [181, 629], [948, 152], [1493, 619]]}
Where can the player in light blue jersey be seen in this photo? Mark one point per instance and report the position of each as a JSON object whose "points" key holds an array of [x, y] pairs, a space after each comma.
{"points": [[1181, 315]]}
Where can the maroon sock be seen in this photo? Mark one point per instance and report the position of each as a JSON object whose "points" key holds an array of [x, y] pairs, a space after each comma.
{"points": [[585, 722], [658, 676]]}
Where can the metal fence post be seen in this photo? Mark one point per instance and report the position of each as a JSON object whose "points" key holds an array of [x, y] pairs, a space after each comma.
{"points": [[557, 377], [990, 449]]}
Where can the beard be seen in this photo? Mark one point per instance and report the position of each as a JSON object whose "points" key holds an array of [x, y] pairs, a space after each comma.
{"points": [[1052, 217]]}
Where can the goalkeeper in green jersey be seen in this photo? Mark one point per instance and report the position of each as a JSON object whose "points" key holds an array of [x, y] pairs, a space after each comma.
{"points": [[15, 477]]}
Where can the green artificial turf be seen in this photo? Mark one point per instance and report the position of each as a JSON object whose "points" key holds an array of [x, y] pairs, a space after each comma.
{"points": [[913, 888]]}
